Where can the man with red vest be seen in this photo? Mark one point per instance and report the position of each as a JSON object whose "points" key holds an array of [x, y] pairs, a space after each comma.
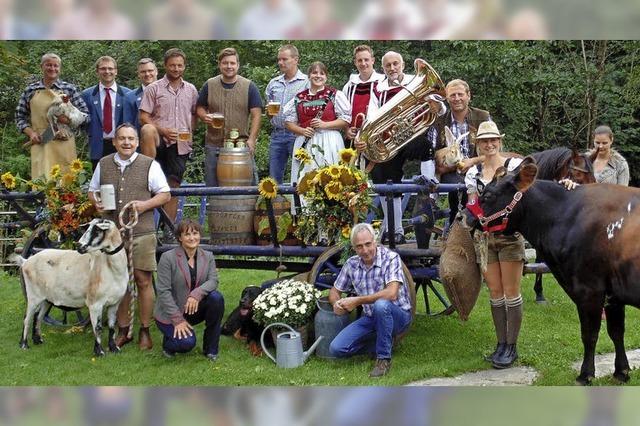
{"points": [[359, 88]]}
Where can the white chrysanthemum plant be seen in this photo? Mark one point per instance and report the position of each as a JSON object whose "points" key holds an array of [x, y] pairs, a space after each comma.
{"points": [[291, 302]]}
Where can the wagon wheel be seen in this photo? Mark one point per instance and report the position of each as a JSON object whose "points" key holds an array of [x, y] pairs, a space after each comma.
{"points": [[441, 305], [56, 316]]}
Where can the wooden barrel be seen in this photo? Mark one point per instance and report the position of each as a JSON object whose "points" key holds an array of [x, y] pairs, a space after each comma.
{"points": [[231, 219], [235, 167], [281, 205]]}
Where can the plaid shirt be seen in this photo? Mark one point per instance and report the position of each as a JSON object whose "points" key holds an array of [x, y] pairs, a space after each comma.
{"points": [[460, 129], [23, 110], [386, 268], [281, 90]]}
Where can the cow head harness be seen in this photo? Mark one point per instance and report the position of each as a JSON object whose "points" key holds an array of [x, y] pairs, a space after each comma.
{"points": [[476, 210]]}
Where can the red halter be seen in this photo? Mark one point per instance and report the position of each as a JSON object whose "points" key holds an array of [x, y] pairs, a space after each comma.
{"points": [[476, 210]]}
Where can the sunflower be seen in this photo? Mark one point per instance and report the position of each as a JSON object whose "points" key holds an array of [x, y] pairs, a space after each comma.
{"points": [[324, 176], [334, 171], [302, 156], [8, 180], [268, 188], [346, 231], [333, 190], [68, 179], [346, 176], [76, 166], [306, 183], [348, 156], [55, 171]]}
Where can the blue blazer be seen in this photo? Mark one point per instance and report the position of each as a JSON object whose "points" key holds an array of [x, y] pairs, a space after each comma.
{"points": [[91, 97], [132, 106]]}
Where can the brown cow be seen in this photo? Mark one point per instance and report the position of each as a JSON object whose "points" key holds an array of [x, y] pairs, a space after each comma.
{"points": [[589, 240]]}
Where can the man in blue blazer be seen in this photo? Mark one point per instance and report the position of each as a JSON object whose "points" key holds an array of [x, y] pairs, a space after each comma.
{"points": [[105, 116]]}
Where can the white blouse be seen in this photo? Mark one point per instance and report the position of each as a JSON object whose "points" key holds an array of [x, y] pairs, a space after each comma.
{"points": [[473, 174]]}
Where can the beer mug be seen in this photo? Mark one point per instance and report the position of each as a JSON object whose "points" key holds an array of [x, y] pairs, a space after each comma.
{"points": [[107, 197], [273, 108], [184, 135], [217, 120]]}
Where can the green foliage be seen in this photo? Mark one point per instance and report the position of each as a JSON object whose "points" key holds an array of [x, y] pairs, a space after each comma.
{"points": [[542, 94]]}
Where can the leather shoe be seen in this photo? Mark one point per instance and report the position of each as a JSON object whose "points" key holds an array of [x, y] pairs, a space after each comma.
{"points": [[381, 368], [123, 338], [400, 239], [385, 238], [506, 358], [144, 339], [499, 348]]}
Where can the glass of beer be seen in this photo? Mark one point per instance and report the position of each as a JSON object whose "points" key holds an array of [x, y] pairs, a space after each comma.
{"points": [[273, 108], [217, 120], [184, 135]]}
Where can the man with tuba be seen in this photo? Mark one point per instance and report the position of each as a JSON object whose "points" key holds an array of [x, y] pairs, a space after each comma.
{"points": [[421, 148]]}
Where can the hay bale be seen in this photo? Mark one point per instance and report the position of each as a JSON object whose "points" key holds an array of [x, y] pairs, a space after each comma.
{"points": [[459, 271]]}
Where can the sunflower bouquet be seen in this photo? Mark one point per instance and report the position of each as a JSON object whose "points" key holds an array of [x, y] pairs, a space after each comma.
{"points": [[335, 198], [66, 204]]}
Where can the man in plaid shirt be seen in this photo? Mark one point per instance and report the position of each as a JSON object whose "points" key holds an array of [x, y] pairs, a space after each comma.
{"points": [[31, 116], [375, 276]]}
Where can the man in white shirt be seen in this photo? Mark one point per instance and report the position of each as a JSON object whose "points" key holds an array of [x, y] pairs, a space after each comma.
{"points": [[359, 88], [106, 104], [126, 171]]}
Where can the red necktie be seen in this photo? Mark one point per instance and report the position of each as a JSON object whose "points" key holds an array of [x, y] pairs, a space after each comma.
{"points": [[107, 124]]}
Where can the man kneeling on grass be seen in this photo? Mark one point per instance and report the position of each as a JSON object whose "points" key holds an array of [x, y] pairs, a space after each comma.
{"points": [[375, 276]]}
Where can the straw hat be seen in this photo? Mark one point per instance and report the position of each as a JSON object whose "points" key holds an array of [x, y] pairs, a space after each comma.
{"points": [[488, 130]]}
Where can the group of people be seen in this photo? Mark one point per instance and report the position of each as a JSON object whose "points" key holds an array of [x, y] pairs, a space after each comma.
{"points": [[140, 141]]}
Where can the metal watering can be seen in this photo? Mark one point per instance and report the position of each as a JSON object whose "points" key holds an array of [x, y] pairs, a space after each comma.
{"points": [[288, 347]]}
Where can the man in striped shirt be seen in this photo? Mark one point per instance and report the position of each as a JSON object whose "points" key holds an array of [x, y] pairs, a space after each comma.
{"points": [[282, 89], [375, 276]]}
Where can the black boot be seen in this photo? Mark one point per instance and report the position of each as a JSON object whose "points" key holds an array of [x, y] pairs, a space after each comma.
{"points": [[499, 349], [506, 359]]}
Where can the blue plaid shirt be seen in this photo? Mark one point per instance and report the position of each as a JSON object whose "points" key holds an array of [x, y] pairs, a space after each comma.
{"points": [[386, 268], [23, 110], [281, 90]]}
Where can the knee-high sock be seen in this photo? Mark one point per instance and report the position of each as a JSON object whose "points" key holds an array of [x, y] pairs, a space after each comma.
{"points": [[499, 314], [514, 318]]}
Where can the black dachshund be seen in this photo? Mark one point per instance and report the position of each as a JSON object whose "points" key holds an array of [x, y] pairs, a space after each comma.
{"points": [[240, 323]]}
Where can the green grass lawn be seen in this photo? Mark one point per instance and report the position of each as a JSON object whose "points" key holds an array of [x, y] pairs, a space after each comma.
{"points": [[436, 347]]}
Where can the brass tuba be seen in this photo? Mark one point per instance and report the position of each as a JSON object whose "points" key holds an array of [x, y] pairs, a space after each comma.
{"points": [[402, 119]]}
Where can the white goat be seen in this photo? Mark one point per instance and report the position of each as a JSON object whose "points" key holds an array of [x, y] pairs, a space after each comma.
{"points": [[96, 276], [451, 155]]}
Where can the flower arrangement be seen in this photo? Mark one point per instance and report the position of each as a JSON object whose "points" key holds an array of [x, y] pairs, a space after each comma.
{"points": [[291, 302], [67, 203], [336, 197]]}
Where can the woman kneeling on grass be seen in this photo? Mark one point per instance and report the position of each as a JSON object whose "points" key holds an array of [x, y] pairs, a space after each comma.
{"points": [[187, 295]]}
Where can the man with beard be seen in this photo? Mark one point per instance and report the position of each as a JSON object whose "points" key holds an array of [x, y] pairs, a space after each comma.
{"points": [[238, 100], [167, 115]]}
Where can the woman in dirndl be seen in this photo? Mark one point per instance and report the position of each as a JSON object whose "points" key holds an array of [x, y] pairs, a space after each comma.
{"points": [[317, 115], [31, 117], [505, 254]]}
